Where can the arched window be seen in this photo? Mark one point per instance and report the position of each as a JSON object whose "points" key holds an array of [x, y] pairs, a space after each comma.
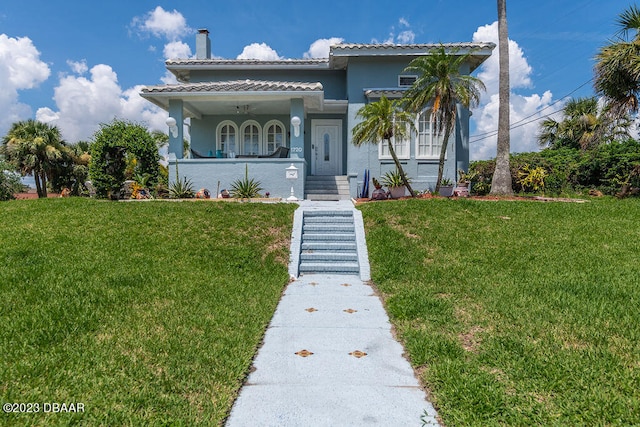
{"points": [[274, 136], [429, 141], [250, 132], [226, 137]]}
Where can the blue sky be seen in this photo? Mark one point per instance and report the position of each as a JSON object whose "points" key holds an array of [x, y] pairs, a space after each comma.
{"points": [[77, 64]]}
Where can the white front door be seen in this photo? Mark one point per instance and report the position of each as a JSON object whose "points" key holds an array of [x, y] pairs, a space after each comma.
{"points": [[326, 147]]}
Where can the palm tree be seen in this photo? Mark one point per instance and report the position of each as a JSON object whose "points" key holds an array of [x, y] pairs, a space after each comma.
{"points": [[617, 71], [441, 86], [33, 148], [501, 181], [584, 125], [382, 121]]}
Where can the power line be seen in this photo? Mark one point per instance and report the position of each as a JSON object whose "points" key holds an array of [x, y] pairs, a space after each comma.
{"points": [[519, 123]]}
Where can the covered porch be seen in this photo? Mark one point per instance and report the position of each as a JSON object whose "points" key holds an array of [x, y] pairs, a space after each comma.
{"points": [[264, 125]]}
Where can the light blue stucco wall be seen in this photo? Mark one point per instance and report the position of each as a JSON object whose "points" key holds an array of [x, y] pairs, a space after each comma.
{"points": [[207, 173], [362, 73], [423, 172]]}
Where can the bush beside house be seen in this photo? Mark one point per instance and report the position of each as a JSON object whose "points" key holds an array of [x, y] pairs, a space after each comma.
{"points": [[605, 168]]}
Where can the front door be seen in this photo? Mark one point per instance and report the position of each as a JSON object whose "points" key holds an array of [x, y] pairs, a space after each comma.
{"points": [[326, 147]]}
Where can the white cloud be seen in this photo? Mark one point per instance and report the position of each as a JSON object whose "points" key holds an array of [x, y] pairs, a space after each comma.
{"points": [[403, 37], [260, 51], [84, 103], [406, 37], [20, 69], [523, 109], [320, 47], [177, 50], [78, 67], [161, 23]]}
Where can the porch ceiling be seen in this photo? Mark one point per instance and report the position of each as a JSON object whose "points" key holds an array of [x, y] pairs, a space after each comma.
{"points": [[237, 97]]}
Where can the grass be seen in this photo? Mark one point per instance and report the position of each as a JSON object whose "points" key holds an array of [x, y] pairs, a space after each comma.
{"points": [[515, 313], [147, 313]]}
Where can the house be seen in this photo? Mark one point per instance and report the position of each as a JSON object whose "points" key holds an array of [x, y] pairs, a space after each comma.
{"points": [[242, 111]]}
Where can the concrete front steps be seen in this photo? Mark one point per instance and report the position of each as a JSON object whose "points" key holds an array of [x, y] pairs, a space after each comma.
{"points": [[328, 244], [327, 188]]}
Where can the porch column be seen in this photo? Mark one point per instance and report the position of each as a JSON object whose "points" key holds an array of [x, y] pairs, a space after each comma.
{"points": [[297, 142], [175, 142]]}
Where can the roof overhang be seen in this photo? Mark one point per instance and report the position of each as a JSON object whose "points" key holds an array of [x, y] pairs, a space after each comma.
{"points": [[340, 54], [390, 93], [182, 68], [233, 97]]}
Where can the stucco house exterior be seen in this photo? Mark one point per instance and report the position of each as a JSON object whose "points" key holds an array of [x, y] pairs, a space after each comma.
{"points": [[242, 111]]}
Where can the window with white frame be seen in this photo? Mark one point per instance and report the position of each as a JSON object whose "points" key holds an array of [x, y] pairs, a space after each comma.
{"points": [[250, 132], [400, 146], [429, 140], [274, 136], [226, 135]]}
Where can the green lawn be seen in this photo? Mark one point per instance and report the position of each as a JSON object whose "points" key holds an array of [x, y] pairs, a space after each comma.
{"points": [[147, 313], [515, 313]]}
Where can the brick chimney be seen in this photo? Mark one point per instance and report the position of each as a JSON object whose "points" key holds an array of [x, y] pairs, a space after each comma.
{"points": [[203, 44]]}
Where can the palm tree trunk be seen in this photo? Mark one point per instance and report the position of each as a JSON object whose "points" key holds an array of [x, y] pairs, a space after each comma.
{"points": [[399, 167], [36, 178], [501, 182], [443, 151], [44, 184]]}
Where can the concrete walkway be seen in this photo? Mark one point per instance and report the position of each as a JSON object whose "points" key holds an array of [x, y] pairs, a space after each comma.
{"points": [[329, 359]]}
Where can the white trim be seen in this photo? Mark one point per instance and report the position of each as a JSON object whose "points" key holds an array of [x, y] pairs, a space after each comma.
{"points": [[327, 122], [219, 136], [403, 154], [431, 138], [243, 128], [265, 136]]}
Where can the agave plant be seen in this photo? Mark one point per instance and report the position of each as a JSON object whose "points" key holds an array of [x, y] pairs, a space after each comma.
{"points": [[245, 188], [181, 189]]}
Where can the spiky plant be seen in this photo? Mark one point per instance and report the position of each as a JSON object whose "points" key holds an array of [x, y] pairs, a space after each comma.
{"points": [[246, 187]]}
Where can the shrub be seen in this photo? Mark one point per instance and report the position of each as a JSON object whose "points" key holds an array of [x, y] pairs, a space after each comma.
{"points": [[9, 182], [246, 187], [182, 188], [113, 144], [532, 179], [605, 168]]}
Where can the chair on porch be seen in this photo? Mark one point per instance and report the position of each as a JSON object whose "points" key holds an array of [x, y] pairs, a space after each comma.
{"points": [[197, 155], [280, 153]]}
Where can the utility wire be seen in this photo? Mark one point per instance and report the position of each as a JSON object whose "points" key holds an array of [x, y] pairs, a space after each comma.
{"points": [[519, 123]]}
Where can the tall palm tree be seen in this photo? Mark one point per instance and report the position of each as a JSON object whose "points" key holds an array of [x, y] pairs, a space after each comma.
{"points": [[382, 121], [441, 86], [617, 70], [33, 148], [501, 181], [584, 125]]}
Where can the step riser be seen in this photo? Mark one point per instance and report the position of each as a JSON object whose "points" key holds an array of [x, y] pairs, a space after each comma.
{"points": [[328, 247], [324, 268], [312, 214], [328, 220], [328, 228], [307, 237], [317, 257]]}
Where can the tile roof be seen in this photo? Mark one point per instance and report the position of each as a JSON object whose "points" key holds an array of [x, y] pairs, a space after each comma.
{"points": [[249, 62], [412, 47], [235, 86]]}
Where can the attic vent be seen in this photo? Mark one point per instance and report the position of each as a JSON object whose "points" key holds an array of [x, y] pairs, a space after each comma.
{"points": [[406, 81]]}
